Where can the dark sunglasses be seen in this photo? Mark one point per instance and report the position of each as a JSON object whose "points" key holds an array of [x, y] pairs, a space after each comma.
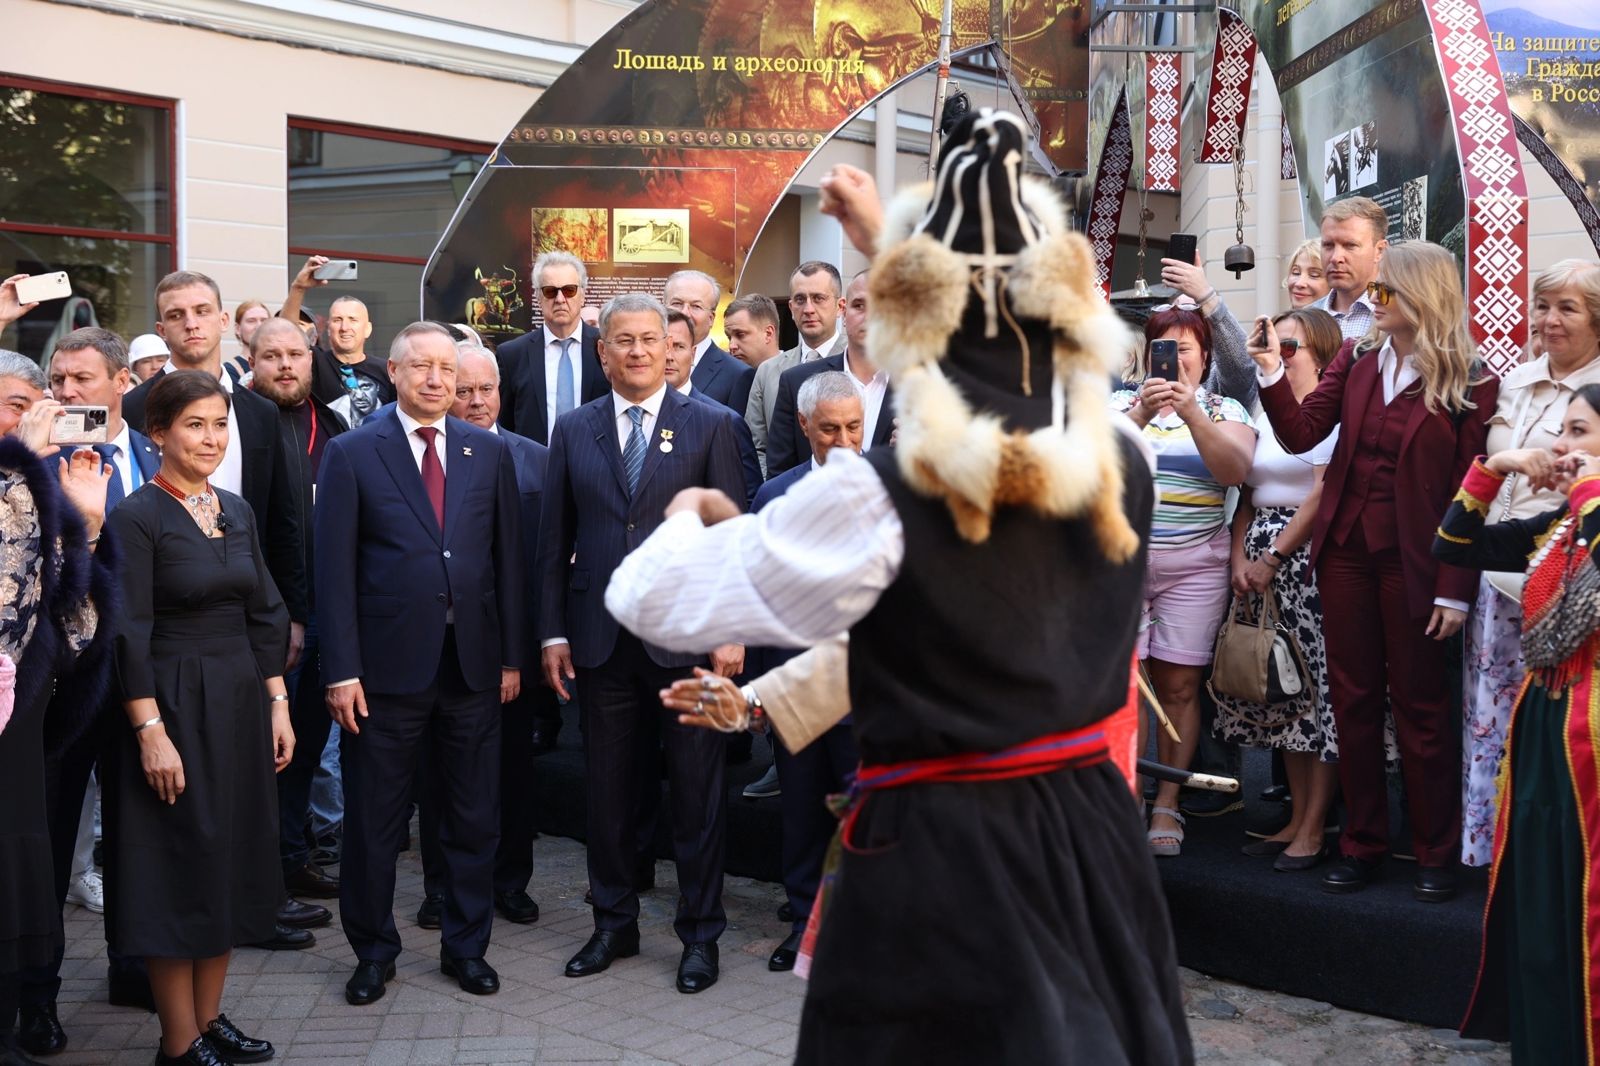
{"points": [[1381, 293], [549, 291]]}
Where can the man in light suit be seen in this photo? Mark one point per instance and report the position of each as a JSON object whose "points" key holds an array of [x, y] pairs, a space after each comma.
{"points": [[546, 373], [478, 402], [419, 581], [815, 300], [715, 373], [787, 446], [614, 465]]}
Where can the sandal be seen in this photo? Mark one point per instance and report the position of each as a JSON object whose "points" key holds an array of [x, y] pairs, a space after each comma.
{"points": [[1175, 835]]}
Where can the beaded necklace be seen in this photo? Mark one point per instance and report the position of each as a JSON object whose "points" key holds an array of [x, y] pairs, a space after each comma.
{"points": [[1560, 638]]}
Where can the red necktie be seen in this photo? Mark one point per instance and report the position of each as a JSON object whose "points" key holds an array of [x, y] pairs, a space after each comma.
{"points": [[432, 472]]}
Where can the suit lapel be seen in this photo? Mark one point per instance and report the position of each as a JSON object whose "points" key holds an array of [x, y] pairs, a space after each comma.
{"points": [[144, 453], [1363, 379], [458, 472], [707, 372], [395, 451], [1419, 414], [671, 418], [534, 365], [885, 427], [605, 438]]}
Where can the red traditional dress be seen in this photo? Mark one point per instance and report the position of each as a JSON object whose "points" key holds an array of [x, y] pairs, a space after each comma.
{"points": [[1540, 972]]}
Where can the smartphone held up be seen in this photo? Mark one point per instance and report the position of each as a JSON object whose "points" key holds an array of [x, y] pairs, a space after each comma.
{"points": [[42, 287], [1163, 356]]}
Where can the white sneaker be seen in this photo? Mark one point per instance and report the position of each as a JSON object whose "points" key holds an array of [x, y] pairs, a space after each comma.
{"points": [[88, 892]]}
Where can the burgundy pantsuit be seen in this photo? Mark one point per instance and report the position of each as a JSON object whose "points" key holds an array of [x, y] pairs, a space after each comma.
{"points": [[1391, 478]]}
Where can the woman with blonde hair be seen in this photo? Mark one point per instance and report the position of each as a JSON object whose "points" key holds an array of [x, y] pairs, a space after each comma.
{"points": [[1411, 403], [1304, 280], [1533, 401]]}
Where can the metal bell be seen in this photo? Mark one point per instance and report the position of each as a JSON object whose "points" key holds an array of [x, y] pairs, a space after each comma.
{"points": [[1239, 258]]}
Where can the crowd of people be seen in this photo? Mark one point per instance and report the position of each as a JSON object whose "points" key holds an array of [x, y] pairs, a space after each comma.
{"points": [[421, 545]]}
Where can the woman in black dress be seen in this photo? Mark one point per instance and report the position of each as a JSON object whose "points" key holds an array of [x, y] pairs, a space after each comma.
{"points": [[192, 814]]}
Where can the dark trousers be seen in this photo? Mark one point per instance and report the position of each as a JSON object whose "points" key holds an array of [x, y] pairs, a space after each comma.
{"points": [[1378, 658], [621, 705], [308, 715], [808, 778], [66, 782], [461, 731], [513, 858]]}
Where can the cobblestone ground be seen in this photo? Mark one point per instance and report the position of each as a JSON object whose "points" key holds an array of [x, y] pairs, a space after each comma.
{"points": [[631, 1013]]}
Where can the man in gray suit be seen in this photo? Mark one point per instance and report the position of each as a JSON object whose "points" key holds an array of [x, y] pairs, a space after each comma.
{"points": [[816, 297]]}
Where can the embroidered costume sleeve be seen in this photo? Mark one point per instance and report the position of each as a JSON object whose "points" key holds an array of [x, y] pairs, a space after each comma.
{"points": [[20, 587], [1464, 539]]}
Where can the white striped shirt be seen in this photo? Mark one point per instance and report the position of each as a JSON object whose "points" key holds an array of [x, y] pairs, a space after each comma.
{"points": [[807, 568]]}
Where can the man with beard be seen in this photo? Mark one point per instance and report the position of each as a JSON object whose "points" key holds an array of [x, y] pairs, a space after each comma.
{"points": [[283, 372]]}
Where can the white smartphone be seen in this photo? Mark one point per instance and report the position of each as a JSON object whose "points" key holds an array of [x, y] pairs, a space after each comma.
{"points": [[80, 425], [43, 287], [336, 270]]}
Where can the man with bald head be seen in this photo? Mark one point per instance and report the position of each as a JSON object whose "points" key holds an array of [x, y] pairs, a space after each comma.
{"points": [[419, 583], [714, 372], [477, 401], [282, 362], [345, 377]]}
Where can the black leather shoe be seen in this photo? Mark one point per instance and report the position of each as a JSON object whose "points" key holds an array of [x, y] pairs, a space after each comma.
{"points": [[299, 915], [309, 882], [285, 938], [1434, 884], [40, 1032], [129, 987], [605, 946], [1275, 794], [786, 913], [783, 956], [200, 1053], [366, 984], [431, 914], [697, 970], [1349, 875], [473, 975], [544, 736], [517, 907], [232, 1045]]}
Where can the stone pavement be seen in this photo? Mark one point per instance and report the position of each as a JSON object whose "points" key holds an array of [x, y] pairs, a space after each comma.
{"points": [[631, 1013]]}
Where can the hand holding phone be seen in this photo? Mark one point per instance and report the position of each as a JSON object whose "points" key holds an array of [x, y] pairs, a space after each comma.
{"points": [[336, 270], [1164, 359], [1263, 326], [80, 425], [42, 287]]}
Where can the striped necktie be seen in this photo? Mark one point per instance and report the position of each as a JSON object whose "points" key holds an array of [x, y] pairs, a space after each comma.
{"points": [[633, 451]]}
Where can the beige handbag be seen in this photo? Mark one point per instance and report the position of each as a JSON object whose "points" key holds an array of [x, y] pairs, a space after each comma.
{"points": [[1259, 662]]}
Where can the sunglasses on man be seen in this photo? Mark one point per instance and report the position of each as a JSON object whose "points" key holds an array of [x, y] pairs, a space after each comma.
{"points": [[549, 291]]}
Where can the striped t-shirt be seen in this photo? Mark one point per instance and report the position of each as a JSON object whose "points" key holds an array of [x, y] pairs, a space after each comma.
{"points": [[1190, 504]]}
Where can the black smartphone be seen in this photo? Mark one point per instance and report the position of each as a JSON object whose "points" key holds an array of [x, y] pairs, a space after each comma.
{"points": [[1164, 360], [1260, 340], [1182, 247]]}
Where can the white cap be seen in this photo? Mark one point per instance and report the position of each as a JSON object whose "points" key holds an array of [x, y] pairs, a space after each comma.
{"points": [[146, 345]]}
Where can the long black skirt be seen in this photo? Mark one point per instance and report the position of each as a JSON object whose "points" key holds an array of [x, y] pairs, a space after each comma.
{"points": [[192, 880], [30, 913], [1007, 921]]}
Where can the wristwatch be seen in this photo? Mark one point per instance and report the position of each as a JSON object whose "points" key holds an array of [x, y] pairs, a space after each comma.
{"points": [[752, 703]]}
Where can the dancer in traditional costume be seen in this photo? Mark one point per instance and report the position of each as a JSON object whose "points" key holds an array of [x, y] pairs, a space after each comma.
{"points": [[1539, 980], [995, 901]]}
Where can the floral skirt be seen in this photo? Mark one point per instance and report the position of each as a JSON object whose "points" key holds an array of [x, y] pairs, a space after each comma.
{"points": [[1309, 727], [1493, 663]]}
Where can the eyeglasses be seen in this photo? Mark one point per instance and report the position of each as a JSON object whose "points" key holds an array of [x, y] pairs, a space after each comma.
{"points": [[1380, 293], [549, 291]]}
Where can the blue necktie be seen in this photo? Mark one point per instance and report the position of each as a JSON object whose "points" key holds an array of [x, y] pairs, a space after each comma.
{"points": [[108, 455], [633, 451], [566, 398]]}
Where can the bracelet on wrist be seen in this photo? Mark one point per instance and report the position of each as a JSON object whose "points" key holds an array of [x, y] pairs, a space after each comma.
{"points": [[1278, 555], [142, 726]]}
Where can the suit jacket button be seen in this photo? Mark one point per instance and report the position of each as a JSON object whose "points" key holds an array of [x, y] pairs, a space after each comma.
{"points": [[630, 527], [447, 553], [440, 597]]}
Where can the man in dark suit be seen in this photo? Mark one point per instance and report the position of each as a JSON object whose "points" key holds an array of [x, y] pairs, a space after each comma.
{"points": [[191, 320], [680, 347], [546, 373], [715, 372], [787, 446], [88, 367], [478, 401], [285, 374], [830, 417], [615, 463], [419, 577]]}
